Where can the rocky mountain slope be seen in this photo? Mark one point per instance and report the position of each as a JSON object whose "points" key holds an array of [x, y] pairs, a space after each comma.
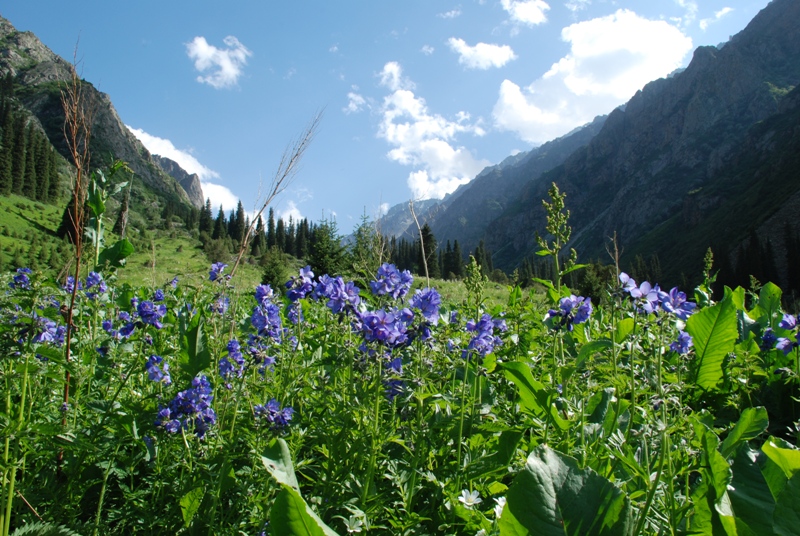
{"points": [[37, 74], [652, 165]]}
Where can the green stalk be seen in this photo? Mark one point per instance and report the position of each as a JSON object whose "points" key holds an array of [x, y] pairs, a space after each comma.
{"points": [[652, 492], [461, 423], [375, 431], [103, 492]]}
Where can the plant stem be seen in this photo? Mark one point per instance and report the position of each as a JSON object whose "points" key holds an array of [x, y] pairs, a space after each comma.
{"points": [[103, 491]]}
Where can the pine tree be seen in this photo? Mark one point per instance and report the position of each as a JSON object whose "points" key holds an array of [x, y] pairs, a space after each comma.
{"points": [[327, 253], [206, 220], [280, 235], [6, 150], [43, 169], [271, 229], [288, 244], [220, 227], [18, 156], [258, 243], [239, 224], [29, 183], [53, 183], [458, 261], [428, 248], [301, 239]]}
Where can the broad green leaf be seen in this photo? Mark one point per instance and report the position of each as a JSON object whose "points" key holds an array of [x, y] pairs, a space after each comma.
{"points": [[573, 268], [552, 496], [515, 296], [782, 464], [787, 509], [769, 302], [752, 422], [190, 503], [714, 334], [290, 515], [195, 355], [750, 496], [532, 393], [623, 329], [278, 461], [115, 255]]}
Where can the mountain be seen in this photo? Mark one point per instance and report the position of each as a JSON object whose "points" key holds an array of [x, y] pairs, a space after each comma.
{"points": [[189, 182], [38, 74], [668, 163]]}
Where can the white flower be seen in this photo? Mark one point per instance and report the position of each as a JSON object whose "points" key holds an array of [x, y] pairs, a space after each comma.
{"points": [[480, 533], [470, 498], [353, 524], [498, 508]]}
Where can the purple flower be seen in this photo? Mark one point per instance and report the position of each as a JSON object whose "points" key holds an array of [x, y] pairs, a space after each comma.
{"points": [[216, 271], [786, 345], [392, 282], [675, 302], [233, 363], [427, 301], [189, 408], [174, 282], [21, 280], [271, 412], [47, 330], [341, 296], [156, 373], [220, 304], [571, 310], [295, 313], [299, 286], [768, 339], [267, 321], [264, 293], [150, 314], [484, 341], [384, 327], [788, 322], [628, 283], [682, 344], [158, 295]]}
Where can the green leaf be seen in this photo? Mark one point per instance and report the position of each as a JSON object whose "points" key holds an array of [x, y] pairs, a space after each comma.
{"points": [[533, 395], [115, 255], [290, 514], [623, 329], [190, 503], [782, 464], [591, 348], [515, 296], [553, 496], [573, 268], [752, 422], [787, 509], [769, 302], [750, 495], [498, 460], [195, 355], [714, 334]]}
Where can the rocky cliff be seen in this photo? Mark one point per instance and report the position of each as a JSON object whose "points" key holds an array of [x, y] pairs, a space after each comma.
{"points": [[674, 138], [189, 182], [38, 74]]}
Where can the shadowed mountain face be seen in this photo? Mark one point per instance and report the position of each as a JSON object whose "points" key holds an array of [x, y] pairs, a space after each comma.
{"points": [[660, 166], [38, 76]]}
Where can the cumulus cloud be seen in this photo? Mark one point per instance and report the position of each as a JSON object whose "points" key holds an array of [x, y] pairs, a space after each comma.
{"points": [[482, 55], [610, 58], [453, 13], [530, 12], [289, 209], [223, 66], [427, 50], [425, 140], [164, 147], [383, 209], [355, 103], [717, 15], [690, 14]]}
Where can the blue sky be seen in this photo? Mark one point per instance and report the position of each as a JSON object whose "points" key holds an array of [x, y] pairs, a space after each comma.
{"points": [[418, 96]]}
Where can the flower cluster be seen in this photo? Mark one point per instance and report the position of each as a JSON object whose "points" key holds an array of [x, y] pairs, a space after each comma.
{"points": [[427, 302], [232, 364], [21, 280], [220, 304], [157, 372], [571, 310], [650, 298], [341, 296], [216, 271], [682, 344], [391, 282], [189, 409], [484, 339], [94, 281], [271, 412], [151, 314], [266, 318], [48, 331], [301, 285], [389, 328], [785, 344]]}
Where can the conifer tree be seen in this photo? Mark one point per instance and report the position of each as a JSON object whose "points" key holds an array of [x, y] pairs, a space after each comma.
{"points": [[6, 150], [206, 221], [458, 260], [271, 229], [29, 180], [220, 227], [43, 169], [239, 224], [280, 235], [18, 155], [288, 244], [53, 182], [257, 245]]}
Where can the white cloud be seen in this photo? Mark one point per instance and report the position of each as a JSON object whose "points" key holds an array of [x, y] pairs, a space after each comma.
{"points": [[225, 65], [482, 55], [355, 103], [427, 50], [190, 164], [392, 77], [691, 11], [530, 12], [577, 5], [425, 140], [290, 209], [717, 15], [334, 48], [383, 209], [453, 13], [610, 59]]}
